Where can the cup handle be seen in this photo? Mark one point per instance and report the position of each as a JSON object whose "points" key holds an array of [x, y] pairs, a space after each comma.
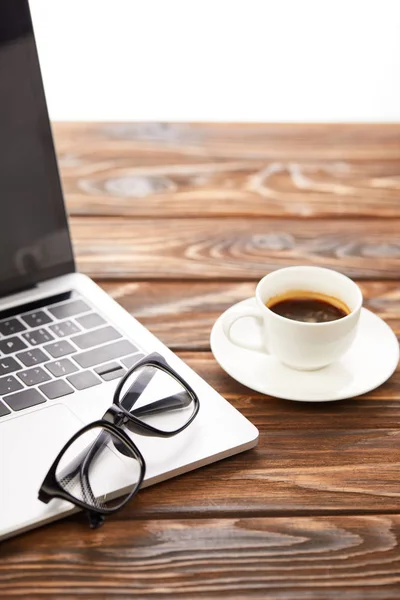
{"points": [[230, 318]]}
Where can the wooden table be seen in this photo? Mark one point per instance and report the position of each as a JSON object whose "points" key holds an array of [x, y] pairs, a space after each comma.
{"points": [[177, 222]]}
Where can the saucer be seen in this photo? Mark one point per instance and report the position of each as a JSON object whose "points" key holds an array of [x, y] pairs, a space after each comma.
{"points": [[371, 360]]}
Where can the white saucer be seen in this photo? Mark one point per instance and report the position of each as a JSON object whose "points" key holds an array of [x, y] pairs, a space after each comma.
{"points": [[369, 362]]}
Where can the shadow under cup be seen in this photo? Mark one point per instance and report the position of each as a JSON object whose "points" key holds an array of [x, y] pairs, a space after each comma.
{"points": [[303, 345]]}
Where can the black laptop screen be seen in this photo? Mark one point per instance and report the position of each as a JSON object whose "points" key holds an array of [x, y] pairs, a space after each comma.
{"points": [[34, 237]]}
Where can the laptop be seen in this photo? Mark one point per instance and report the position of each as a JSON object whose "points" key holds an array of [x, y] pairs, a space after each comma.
{"points": [[64, 343]]}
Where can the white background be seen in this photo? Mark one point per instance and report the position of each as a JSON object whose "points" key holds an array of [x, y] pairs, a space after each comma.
{"points": [[220, 60]]}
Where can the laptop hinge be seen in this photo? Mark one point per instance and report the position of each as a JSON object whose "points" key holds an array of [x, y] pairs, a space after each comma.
{"points": [[18, 290]]}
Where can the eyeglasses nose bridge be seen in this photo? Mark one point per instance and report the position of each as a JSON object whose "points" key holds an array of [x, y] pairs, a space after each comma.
{"points": [[113, 415]]}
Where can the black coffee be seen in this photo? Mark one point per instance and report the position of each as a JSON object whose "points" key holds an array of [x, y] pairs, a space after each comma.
{"points": [[309, 309]]}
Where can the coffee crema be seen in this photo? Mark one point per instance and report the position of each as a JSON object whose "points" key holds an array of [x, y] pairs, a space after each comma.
{"points": [[308, 307]]}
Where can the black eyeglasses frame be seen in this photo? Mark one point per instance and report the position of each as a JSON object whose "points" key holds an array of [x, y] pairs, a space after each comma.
{"points": [[114, 418]]}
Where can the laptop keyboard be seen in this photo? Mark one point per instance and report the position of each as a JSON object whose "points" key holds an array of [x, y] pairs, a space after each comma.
{"points": [[55, 347]]}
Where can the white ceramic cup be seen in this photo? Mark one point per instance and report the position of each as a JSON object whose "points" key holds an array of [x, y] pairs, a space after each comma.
{"points": [[300, 345]]}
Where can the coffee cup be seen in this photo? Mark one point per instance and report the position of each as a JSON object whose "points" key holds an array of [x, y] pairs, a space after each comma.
{"points": [[300, 339]]}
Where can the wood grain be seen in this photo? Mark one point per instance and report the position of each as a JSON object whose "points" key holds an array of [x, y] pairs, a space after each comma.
{"points": [[282, 558], [233, 248], [167, 170], [182, 313]]}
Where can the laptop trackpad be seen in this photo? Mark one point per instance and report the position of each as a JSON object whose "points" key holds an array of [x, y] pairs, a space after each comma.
{"points": [[28, 446]]}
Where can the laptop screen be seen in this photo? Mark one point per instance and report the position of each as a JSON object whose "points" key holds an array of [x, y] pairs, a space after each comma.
{"points": [[34, 238]]}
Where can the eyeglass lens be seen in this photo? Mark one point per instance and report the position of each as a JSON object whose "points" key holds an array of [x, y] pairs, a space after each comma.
{"points": [[94, 465], [156, 398]]}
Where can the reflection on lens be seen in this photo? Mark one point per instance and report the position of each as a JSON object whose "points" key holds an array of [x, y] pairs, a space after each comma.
{"points": [[95, 465], [157, 399]]}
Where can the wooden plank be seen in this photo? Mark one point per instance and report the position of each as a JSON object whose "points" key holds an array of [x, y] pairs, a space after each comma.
{"points": [[233, 248], [250, 189], [292, 558], [159, 170], [305, 471], [182, 313], [227, 141]]}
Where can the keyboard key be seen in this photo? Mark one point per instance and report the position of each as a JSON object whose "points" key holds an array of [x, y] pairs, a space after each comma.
{"points": [[83, 380], [96, 337], [65, 328], [11, 327], [32, 357], [24, 399], [113, 374], [56, 389], [110, 371], [60, 348], [129, 361], [36, 319], [104, 353], [12, 344], [4, 410], [69, 309], [90, 321], [9, 384], [8, 365], [33, 376], [38, 336], [61, 367]]}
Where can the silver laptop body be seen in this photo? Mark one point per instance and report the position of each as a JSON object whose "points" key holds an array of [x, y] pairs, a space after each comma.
{"points": [[63, 341]]}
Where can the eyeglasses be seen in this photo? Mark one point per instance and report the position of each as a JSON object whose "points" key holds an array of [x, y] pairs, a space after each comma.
{"points": [[152, 400]]}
